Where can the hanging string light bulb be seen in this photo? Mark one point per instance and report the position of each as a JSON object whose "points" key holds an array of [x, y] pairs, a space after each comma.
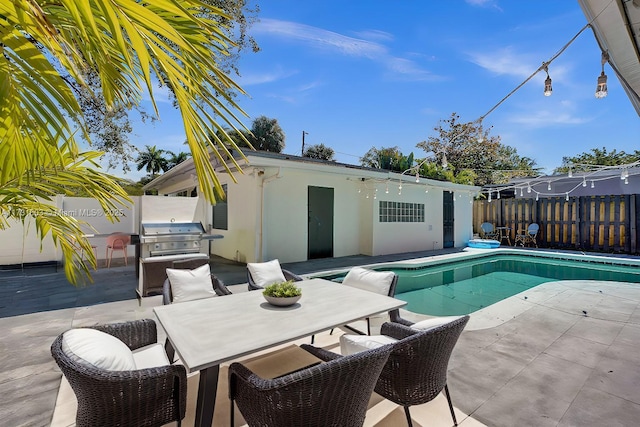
{"points": [[584, 181], [547, 82], [593, 185], [549, 186], [489, 199], [444, 163], [567, 197], [601, 89]]}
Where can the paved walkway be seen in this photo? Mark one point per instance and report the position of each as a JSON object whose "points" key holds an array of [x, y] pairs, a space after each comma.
{"points": [[536, 359]]}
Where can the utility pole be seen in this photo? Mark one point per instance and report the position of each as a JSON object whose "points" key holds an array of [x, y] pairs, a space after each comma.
{"points": [[303, 134]]}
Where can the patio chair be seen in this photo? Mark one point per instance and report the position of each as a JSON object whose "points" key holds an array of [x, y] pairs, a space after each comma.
{"points": [[488, 231], [333, 393], [117, 242], [189, 285], [528, 236], [261, 274], [121, 376], [381, 282], [416, 371]]}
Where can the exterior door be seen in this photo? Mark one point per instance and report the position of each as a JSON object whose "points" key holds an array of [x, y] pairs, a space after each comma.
{"points": [[320, 226], [447, 219]]}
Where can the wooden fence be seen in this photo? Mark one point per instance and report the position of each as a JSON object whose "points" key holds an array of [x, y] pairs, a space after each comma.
{"points": [[586, 223]]}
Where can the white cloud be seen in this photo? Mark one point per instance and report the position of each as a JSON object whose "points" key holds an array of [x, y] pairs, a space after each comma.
{"points": [[249, 79], [485, 3], [160, 94], [375, 35], [345, 45], [547, 118]]}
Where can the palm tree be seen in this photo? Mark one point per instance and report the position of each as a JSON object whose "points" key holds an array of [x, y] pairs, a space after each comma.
{"points": [[153, 160], [176, 159], [127, 45]]}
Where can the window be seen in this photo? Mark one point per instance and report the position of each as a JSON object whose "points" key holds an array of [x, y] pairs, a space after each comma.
{"points": [[401, 212], [219, 215]]}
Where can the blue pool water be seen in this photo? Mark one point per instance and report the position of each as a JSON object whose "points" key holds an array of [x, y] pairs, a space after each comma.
{"points": [[462, 287]]}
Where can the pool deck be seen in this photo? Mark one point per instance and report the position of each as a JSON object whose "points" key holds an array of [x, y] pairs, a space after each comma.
{"points": [[561, 354]]}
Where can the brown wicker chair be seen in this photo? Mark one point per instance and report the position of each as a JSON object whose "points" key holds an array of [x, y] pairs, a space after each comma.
{"points": [[335, 393], [145, 397], [416, 371], [253, 286]]}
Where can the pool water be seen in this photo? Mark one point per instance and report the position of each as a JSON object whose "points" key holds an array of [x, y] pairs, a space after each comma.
{"points": [[462, 287]]}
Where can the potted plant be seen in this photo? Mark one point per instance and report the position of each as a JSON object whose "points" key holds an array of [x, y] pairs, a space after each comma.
{"points": [[282, 294]]}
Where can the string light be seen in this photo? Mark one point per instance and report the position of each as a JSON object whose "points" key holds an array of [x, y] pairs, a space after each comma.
{"points": [[584, 181], [567, 197], [549, 186], [601, 89], [593, 185], [547, 83]]}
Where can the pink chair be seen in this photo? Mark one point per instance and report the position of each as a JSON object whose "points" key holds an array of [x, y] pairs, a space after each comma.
{"points": [[117, 242]]}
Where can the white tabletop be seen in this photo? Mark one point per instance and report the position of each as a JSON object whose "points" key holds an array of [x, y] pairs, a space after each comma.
{"points": [[211, 331]]}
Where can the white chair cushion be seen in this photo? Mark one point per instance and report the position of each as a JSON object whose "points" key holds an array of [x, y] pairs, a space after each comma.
{"points": [[425, 325], [188, 285], [150, 356], [351, 344], [369, 280], [98, 349], [266, 273]]}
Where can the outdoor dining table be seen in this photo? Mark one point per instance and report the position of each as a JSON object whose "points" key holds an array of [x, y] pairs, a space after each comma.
{"points": [[211, 331], [503, 233]]}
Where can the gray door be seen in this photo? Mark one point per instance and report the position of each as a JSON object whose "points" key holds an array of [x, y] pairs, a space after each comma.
{"points": [[447, 219], [320, 227]]}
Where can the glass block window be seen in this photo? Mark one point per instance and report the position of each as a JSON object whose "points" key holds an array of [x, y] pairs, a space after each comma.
{"points": [[401, 212]]}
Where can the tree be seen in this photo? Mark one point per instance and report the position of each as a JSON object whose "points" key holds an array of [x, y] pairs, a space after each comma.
{"points": [[389, 158], [267, 135], [127, 48], [152, 160], [320, 152], [468, 146], [596, 157]]}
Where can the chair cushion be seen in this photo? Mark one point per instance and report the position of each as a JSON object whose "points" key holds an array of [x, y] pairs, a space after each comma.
{"points": [[351, 344], [98, 349], [369, 280], [425, 325], [266, 273], [150, 356], [188, 285]]}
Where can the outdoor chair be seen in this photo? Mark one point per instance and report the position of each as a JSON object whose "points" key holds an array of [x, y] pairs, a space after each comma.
{"points": [[117, 242], [333, 393], [121, 376], [488, 231], [262, 274], [190, 285], [528, 236], [381, 282], [416, 371]]}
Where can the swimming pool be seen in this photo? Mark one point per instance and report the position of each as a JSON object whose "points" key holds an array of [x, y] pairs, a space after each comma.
{"points": [[464, 286]]}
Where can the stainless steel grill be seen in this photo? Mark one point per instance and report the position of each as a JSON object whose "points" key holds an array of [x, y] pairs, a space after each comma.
{"points": [[170, 238]]}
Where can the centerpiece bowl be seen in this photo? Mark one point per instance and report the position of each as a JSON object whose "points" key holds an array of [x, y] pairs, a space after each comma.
{"points": [[282, 294]]}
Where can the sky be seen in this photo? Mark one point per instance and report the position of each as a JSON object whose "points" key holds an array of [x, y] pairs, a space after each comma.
{"points": [[359, 74]]}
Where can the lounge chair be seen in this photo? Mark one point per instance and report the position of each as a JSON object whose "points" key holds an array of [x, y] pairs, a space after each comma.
{"points": [[528, 236]]}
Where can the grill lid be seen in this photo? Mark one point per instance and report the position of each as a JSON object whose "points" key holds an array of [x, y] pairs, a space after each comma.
{"points": [[171, 228]]}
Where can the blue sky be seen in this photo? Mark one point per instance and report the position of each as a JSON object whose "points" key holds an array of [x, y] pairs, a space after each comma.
{"points": [[357, 74]]}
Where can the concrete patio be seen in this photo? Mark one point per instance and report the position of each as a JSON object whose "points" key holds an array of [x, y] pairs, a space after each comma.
{"points": [[560, 354]]}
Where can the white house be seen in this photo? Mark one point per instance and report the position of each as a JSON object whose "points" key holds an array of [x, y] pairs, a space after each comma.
{"points": [[294, 208]]}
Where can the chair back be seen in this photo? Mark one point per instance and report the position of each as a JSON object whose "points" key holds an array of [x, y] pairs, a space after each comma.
{"points": [[416, 371], [382, 282], [118, 240], [334, 393], [533, 229], [486, 227]]}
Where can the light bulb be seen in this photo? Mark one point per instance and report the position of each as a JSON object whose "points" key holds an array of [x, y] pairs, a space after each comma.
{"points": [[498, 194], [592, 184], [489, 199], [570, 174], [547, 86], [417, 177], [528, 188], [584, 182], [520, 191], [537, 196], [626, 180], [549, 186], [567, 197]]}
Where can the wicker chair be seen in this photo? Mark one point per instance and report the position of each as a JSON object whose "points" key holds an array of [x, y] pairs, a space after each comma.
{"points": [[145, 397], [253, 286], [335, 393], [417, 368]]}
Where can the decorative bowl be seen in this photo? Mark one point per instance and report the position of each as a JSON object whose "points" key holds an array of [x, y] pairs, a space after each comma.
{"points": [[282, 301]]}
